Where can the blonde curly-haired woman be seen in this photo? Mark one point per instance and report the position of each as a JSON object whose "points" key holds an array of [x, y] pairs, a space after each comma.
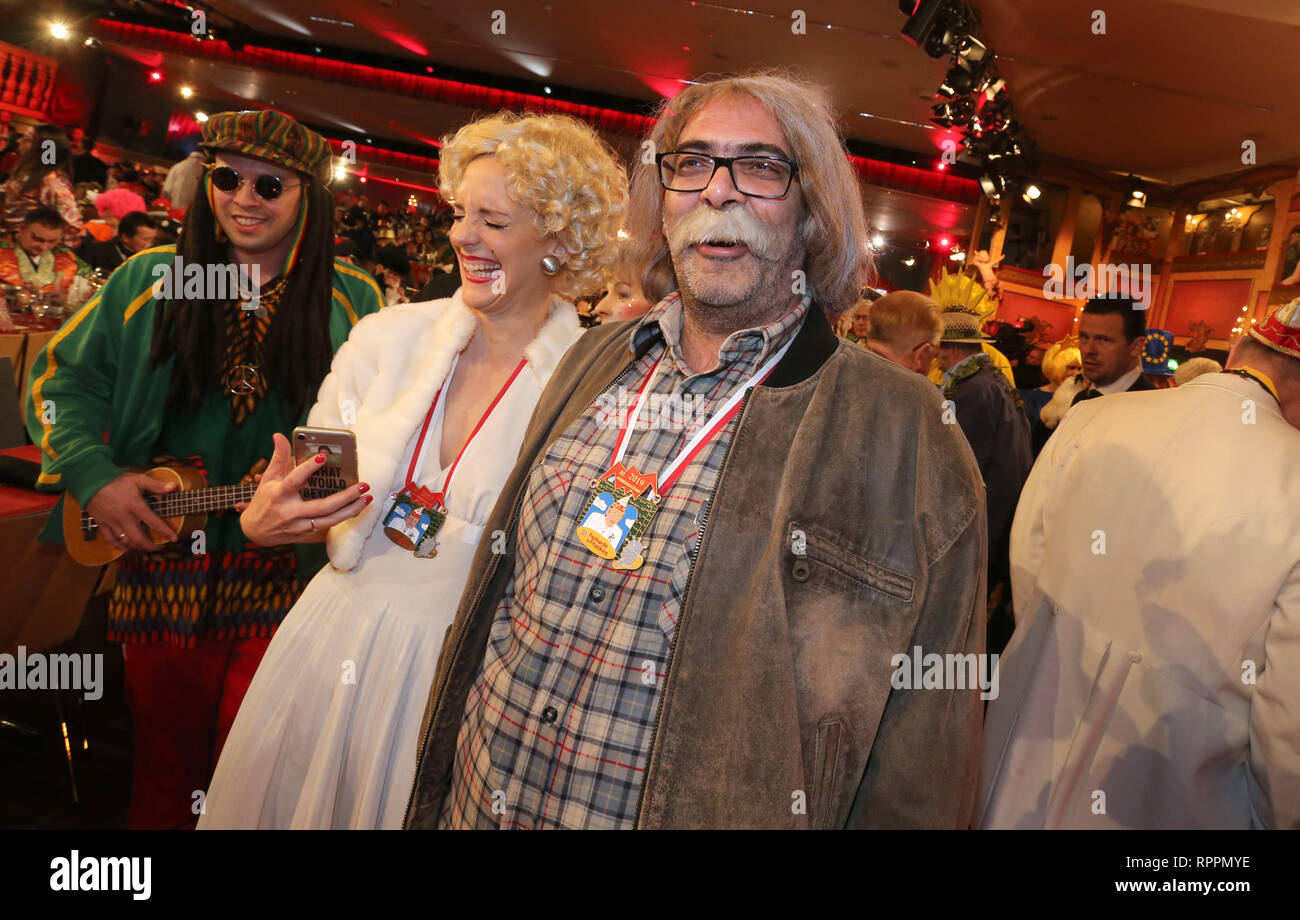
{"points": [[438, 395]]}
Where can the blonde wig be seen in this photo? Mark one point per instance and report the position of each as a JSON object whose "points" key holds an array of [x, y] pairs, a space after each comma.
{"points": [[1057, 358], [837, 262], [1192, 368], [561, 170]]}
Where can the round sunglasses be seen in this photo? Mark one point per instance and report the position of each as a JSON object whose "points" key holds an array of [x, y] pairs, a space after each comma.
{"points": [[266, 186]]}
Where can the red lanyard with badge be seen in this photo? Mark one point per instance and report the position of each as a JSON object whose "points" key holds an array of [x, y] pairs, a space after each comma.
{"points": [[624, 501], [417, 513]]}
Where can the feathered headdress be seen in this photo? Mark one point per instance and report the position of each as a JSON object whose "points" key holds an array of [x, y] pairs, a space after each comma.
{"points": [[965, 307]]}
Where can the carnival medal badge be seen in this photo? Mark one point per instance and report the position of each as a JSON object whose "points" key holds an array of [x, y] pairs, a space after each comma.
{"points": [[413, 520], [616, 516]]}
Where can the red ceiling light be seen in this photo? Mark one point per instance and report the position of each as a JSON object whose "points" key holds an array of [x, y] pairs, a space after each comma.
{"points": [[944, 242], [155, 76], [133, 37], [409, 84], [941, 166]]}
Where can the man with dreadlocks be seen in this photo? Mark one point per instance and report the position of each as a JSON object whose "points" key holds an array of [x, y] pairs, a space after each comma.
{"points": [[173, 364]]}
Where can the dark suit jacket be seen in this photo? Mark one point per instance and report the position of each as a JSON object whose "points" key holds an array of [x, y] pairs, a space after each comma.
{"points": [[1137, 386], [998, 433], [86, 167], [104, 256]]}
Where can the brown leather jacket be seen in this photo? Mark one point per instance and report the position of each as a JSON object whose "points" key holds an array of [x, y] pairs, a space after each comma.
{"points": [[778, 710]]}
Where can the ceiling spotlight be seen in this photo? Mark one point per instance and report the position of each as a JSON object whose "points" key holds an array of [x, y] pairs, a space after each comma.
{"points": [[958, 82], [948, 114], [944, 242], [909, 261], [200, 117], [89, 42], [970, 52], [1011, 145], [1032, 193], [877, 241], [548, 90], [925, 17], [58, 30], [1137, 195], [187, 91]]}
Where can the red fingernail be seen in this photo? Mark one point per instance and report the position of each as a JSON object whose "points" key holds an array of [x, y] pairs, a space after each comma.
{"points": [[369, 499], [320, 458], [363, 488]]}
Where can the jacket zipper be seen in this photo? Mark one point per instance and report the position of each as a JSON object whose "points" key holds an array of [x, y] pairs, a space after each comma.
{"points": [[496, 559], [686, 595]]}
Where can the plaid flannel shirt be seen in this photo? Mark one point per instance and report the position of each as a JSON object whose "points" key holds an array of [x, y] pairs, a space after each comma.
{"points": [[557, 727]]}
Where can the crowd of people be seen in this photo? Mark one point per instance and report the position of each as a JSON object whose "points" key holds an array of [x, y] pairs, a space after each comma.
{"points": [[109, 211], [68, 218], [552, 600]]}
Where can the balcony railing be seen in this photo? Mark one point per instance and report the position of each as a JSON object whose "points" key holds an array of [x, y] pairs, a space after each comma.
{"points": [[26, 81]]}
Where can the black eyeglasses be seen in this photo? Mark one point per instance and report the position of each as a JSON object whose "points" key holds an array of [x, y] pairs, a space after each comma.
{"points": [[266, 186], [755, 176]]}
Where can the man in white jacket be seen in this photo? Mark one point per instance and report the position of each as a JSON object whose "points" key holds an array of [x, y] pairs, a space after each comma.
{"points": [[1153, 680]]}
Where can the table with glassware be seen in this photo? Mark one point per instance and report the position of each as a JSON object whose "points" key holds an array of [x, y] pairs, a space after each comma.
{"points": [[30, 317]]}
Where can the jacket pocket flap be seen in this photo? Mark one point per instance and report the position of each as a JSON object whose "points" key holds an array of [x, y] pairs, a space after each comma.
{"points": [[828, 551]]}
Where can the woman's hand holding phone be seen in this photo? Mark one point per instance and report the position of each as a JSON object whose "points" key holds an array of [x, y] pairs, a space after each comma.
{"points": [[278, 514]]}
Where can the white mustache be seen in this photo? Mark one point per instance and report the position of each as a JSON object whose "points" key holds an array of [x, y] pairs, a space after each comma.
{"points": [[703, 224]]}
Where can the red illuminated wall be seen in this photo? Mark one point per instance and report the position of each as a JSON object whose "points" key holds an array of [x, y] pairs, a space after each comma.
{"points": [[1215, 302], [1060, 313]]}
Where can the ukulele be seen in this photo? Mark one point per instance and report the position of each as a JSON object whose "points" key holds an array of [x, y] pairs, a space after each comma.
{"points": [[185, 510]]}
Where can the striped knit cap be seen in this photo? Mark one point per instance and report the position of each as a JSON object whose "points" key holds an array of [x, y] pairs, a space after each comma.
{"points": [[272, 136]]}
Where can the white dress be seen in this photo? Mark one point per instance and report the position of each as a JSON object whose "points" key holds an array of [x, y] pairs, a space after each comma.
{"points": [[328, 733]]}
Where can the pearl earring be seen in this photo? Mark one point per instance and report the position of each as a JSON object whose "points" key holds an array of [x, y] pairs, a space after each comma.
{"points": [[550, 265]]}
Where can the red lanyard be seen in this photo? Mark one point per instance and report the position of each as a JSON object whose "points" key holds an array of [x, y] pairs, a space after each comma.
{"points": [[673, 470], [420, 446]]}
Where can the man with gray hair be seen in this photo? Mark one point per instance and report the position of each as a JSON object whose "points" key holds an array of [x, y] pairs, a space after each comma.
{"points": [[722, 654]]}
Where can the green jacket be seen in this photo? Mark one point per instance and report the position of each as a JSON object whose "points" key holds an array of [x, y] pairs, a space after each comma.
{"points": [[95, 377]]}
